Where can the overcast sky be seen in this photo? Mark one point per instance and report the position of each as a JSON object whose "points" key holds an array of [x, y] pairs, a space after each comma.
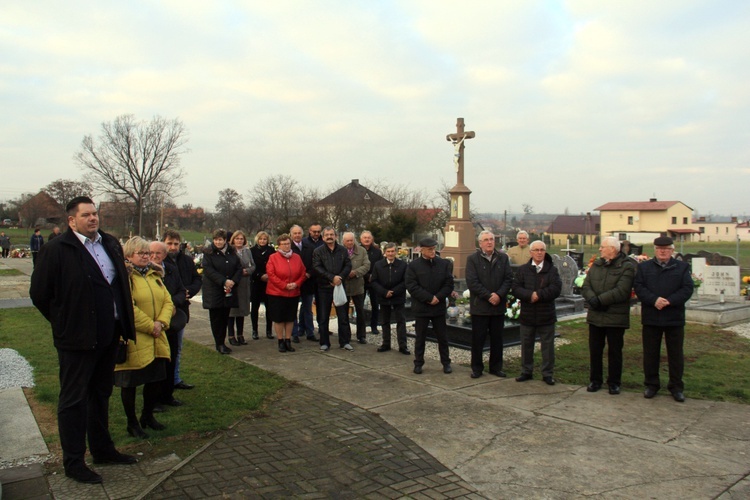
{"points": [[574, 104]]}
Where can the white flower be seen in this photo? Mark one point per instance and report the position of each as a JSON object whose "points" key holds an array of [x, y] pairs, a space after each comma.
{"points": [[467, 294]]}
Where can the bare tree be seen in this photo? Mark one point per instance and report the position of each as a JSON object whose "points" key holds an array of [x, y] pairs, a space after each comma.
{"points": [[275, 202], [527, 208], [64, 190], [229, 207], [135, 158]]}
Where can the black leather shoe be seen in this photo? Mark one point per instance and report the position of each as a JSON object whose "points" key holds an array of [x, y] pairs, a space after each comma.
{"points": [[383, 349], [650, 392], [447, 369], [374, 332], [548, 380], [233, 341], [116, 458], [137, 432], [313, 339], [184, 386], [593, 387], [476, 374], [524, 377], [222, 349], [499, 373], [678, 396], [174, 402], [83, 474], [158, 409], [417, 370], [269, 335], [404, 350], [255, 336], [147, 422], [241, 340], [362, 341], [295, 340], [614, 389]]}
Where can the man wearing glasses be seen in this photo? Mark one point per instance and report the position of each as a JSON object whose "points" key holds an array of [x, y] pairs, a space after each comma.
{"points": [[663, 285], [607, 290], [537, 284]]}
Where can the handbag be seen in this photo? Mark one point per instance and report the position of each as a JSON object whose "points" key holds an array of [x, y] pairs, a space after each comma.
{"points": [[122, 352], [339, 295], [178, 321]]}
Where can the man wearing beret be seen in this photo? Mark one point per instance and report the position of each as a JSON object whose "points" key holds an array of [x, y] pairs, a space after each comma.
{"points": [[663, 285], [429, 280]]}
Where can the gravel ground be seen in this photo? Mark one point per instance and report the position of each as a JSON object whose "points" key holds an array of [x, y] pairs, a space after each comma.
{"points": [[15, 371], [743, 330]]}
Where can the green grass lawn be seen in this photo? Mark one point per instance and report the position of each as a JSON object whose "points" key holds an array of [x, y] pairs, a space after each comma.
{"points": [[10, 272], [717, 362], [226, 389]]}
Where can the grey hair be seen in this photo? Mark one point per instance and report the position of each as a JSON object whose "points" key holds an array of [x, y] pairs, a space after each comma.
{"points": [[389, 245], [521, 232], [613, 242], [346, 234], [544, 245], [479, 238]]}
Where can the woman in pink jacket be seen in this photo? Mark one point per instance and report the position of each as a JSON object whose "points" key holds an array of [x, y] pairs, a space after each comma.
{"points": [[286, 273]]}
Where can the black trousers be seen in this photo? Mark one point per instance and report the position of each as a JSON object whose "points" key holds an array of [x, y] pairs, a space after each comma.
{"points": [[397, 313], [359, 309], [86, 380], [440, 330], [323, 304], [599, 336], [219, 318], [674, 337], [373, 308], [167, 387], [481, 327]]}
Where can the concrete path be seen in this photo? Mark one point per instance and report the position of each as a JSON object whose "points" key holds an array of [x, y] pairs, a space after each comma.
{"points": [[361, 424]]}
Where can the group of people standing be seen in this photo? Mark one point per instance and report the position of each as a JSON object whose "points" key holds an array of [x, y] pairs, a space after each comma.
{"points": [[117, 315], [663, 285]]}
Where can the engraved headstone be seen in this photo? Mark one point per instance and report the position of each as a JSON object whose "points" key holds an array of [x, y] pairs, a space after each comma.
{"points": [[568, 270], [717, 278]]}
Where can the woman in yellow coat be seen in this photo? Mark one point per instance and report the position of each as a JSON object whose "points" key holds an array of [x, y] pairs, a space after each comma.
{"points": [[146, 362]]}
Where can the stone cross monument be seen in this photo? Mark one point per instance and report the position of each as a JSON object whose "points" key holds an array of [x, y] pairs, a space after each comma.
{"points": [[460, 237]]}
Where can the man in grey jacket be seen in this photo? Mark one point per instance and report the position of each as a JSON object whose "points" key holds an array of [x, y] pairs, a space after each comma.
{"points": [[607, 290], [489, 278]]}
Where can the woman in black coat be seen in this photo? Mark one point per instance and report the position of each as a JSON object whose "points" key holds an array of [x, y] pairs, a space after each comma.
{"points": [[261, 251], [222, 271]]}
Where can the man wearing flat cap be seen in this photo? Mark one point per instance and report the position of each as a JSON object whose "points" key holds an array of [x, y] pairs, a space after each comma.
{"points": [[663, 285], [429, 280]]}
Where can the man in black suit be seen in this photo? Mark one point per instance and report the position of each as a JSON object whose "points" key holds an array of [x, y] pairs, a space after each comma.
{"points": [[81, 286], [309, 287], [389, 285]]}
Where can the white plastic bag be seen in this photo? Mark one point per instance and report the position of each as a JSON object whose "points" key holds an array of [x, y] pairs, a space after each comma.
{"points": [[339, 295]]}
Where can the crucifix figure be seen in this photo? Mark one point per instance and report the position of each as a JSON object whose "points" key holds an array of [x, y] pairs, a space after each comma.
{"points": [[458, 143]]}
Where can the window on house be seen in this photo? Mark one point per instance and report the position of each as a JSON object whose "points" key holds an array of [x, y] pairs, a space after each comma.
{"points": [[702, 229], [622, 236], [630, 220], [684, 220], [726, 230], [674, 220], [597, 227], [717, 230]]}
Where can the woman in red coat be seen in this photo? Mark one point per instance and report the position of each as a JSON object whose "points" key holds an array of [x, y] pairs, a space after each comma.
{"points": [[286, 273]]}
